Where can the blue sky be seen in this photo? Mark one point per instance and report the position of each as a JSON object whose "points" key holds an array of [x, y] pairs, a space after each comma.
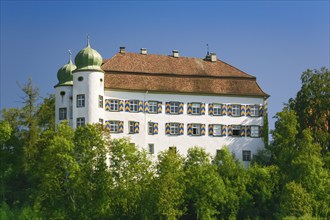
{"points": [[272, 40]]}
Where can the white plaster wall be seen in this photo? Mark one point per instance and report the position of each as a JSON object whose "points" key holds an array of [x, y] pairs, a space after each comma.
{"points": [[184, 142], [63, 102], [92, 86]]}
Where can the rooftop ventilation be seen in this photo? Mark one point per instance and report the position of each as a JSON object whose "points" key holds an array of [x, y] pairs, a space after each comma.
{"points": [[144, 51], [122, 50], [175, 53], [213, 57]]}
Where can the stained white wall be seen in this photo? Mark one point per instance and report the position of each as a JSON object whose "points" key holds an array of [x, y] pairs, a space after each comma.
{"points": [[183, 142], [64, 101], [92, 86]]}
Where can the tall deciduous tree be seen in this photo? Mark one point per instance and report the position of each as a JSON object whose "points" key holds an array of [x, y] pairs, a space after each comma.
{"points": [[132, 174], [169, 185], [205, 190], [234, 177], [312, 105]]}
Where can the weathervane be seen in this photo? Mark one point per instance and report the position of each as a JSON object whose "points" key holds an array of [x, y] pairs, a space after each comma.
{"points": [[208, 49], [70, 54]]}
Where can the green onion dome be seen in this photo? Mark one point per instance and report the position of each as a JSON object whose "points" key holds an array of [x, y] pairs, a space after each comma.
{"points": [[64, 74], [88, 59]]}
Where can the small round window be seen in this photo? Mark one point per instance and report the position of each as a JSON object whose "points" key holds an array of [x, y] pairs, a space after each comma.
{"points": [[101, 80], [62, 93], [80, 78]]}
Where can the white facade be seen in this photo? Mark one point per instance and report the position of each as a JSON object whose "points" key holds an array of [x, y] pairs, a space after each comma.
{"points": [[63, 101], [183, 142]]}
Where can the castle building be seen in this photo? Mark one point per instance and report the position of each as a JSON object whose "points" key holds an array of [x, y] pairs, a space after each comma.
{"points": [[164, 101]]}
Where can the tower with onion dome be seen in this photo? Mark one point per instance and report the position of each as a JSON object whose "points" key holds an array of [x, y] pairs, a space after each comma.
{"points": [[88, 87], [63, 93]]}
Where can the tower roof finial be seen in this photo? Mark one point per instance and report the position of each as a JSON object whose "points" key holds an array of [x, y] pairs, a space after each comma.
{"points": [[70, 56], [88, 44]]}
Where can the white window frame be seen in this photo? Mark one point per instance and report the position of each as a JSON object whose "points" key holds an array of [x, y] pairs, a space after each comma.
{"points": [[196, 129], [174, 128], [236, 110], [174, 107], [100, 101], [114, 126], [131, 127], [151, 148], [151, 128], [196, 108], [255, 131], [80, 121], [114, 105], [80, 100], [62, 113], [219, 109], [254, 111], [153, 107], [236, 127], [134, 105], [217, 127], [246, 155]]}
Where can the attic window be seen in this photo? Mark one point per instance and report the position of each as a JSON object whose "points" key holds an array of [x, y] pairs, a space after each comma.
{"points": [[80, 78]]}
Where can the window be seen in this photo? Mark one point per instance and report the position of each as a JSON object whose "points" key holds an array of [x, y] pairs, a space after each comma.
{"points": [[236, 130], [246, 155], [236, 110], [172, 149], [196, 129], [151, 128], [217, 109], [174, 128], [153, 106], [254, 110], [216, 130], [62, 113], [131, 125], [174, 107], [114, 105], [80, 78], [133, 105], [114, 126], [196, 108], [100, 101], [62, 93], [254, 131], [101, 121], [80, 101], [80, 122], [151, 148]]}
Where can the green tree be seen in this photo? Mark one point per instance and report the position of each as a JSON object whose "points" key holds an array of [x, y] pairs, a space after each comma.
{"points": [[91, 184], [205, 190], [234, 177], [46, 113], [169, 185], [312, 105], [295, 201], [262, 186], [132, 174]]}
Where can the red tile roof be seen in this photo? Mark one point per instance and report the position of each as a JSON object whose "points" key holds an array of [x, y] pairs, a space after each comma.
{"points": [[161, 73]]}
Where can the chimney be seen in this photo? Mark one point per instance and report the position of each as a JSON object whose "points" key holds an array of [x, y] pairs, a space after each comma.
{"points": [[144, 51], [213, 57], [122, 50], [175, 53]]}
